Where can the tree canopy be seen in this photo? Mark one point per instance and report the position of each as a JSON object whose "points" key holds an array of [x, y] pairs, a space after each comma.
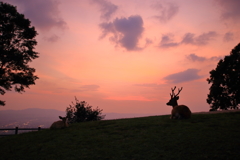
{"points": [[81, 111], [17, 41], [225, 79]]}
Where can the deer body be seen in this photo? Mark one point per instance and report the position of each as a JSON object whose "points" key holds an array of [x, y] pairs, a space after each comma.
{"points": [[63, 123], [178, 111]]}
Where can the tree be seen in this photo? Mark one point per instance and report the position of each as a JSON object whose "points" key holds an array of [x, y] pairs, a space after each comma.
{"points": [[82, 111], [225, 89], [16, 50]]}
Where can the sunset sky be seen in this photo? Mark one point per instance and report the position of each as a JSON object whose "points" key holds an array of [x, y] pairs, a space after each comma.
{"points": [[125, 55]]}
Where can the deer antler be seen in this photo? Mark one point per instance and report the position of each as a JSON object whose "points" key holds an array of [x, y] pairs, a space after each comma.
{"points": [[179, 90], [173, 94]]}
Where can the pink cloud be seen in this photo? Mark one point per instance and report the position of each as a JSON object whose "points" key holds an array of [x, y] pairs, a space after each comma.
{"points": [[53, 38], [86, 88], [189, 38], [166, 11], [128, 98], [125, 31], [195, 58], [44, 14], [230, 9], [184, 76], [202, 39], [107, 8], [168, 41], [229, 36]]}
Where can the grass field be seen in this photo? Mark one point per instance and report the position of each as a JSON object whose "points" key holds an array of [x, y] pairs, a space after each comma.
{"points": [[204, 136]]}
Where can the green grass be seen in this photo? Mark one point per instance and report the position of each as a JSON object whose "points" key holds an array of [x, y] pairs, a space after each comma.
{"points": [[210, 136]]}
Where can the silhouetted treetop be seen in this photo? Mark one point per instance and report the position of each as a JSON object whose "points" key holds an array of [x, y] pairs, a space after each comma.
{"points": [[225, 79], [16, 50]]}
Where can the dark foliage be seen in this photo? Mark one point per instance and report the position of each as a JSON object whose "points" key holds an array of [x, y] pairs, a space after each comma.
{"points": [[81, 111], [16, 50], [225, 89]]}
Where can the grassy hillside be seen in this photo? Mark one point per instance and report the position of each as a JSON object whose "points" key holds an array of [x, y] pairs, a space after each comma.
{"points": [[210, 136]]}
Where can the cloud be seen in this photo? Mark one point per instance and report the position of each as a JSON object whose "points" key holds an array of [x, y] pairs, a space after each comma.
{"points": [[43, 14], [215, 58], [150, 85], [185, 76], [230, 9], [52, 38], [128, 98], [148, 42], [125, 31], [107, 9], [200, 40], [167, 40], [166, 10], [86, 88], [228, 37], [195, 58]]}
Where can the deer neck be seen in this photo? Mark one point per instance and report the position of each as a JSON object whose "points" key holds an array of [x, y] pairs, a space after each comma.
{"points": [[174, 104]]}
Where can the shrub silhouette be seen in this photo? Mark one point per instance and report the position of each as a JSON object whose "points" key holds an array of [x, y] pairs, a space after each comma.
{"points": [[81, 111]]}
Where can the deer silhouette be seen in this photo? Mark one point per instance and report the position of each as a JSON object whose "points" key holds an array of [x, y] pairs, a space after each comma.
{"points": [[178, 111], [63, 123]]}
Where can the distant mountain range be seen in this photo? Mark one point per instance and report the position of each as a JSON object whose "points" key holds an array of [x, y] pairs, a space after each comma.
{"points": [[35, 117], [32, 117]]}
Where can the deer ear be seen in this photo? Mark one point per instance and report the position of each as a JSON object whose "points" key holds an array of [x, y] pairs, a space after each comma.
{"points": [[177, 97]]}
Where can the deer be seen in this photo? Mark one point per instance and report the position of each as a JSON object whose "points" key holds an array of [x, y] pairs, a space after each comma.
{"points": [[63, 123], [178, 111]]}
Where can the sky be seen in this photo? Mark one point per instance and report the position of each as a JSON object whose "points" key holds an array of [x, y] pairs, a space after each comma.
{"points": [[124, 56]]}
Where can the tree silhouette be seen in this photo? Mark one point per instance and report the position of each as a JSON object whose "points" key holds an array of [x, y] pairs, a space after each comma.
{"points": [[16, 50], [81, 111], [225, 89]]}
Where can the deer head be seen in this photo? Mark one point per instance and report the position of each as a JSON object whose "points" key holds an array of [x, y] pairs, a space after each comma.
{"points": [[60, 124], [174, 97], [64, 119]]}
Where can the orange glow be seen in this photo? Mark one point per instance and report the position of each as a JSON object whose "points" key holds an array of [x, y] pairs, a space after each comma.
{"points": [[113, 62], [133, 98]]}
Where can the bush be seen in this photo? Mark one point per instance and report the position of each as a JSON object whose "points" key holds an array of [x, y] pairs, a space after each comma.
{"points": [[81, 111]]}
